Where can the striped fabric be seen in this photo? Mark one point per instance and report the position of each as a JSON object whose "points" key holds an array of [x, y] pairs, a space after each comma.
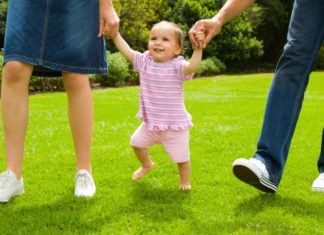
{"points": [[161, 104]]}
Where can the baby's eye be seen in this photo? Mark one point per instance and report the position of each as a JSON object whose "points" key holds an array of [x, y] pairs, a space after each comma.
{"points": [[153, 38], [166, 39]]}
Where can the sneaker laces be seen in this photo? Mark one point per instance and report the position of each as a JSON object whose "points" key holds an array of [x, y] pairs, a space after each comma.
{"points": [[4, 178], [82, 180]]}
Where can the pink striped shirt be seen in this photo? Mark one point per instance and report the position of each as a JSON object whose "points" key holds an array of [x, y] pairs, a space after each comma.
{"points": [[161, 104]]}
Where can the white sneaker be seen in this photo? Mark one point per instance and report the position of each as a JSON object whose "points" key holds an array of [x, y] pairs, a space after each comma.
{"points": [[10, 186], [254, 172], [318, 184], [84, 184]]}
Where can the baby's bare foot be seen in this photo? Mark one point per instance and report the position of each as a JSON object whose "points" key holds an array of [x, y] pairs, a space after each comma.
{"points": [[139, 173], [185, 187]]}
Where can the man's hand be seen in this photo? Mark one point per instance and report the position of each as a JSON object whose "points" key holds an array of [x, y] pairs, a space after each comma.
{"points": [[211, 27]]}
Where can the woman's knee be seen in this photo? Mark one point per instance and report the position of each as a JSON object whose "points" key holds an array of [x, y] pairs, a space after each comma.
{"points": [[14, 71], [74, 81]]}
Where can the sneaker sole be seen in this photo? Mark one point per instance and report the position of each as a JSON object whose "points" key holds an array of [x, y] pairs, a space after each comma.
{"points": [[248, 173], [318, 189], [84, 195], [8, 199]]}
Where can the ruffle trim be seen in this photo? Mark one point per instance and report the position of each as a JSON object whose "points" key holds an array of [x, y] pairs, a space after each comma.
{"points": [[165, 127]]}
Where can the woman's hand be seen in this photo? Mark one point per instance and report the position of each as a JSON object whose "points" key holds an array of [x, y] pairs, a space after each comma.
{"points": [[109, 20]]}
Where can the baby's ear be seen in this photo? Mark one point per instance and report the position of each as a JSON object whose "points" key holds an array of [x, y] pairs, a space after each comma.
{"points": [[178, 51]]}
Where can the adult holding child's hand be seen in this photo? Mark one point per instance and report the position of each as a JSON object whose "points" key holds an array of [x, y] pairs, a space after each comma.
{"points": [[211, 27], [214, 25], [109, 20]]}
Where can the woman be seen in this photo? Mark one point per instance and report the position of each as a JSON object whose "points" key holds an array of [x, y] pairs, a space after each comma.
{"points": [[63, 36]]}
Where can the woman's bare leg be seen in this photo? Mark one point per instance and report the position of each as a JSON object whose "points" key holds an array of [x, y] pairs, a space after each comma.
{"points": [[81, 116], [14, 100]]}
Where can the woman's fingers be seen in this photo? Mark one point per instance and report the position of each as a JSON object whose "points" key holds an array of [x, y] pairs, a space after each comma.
{"points": [[101, 28]]}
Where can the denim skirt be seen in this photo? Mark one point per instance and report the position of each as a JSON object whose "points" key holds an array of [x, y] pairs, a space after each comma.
{"points": [[55, 36]]}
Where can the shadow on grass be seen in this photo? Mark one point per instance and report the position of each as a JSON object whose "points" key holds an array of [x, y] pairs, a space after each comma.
{"points": [[290, 205], [279, 214], [67, 215], [71, 215], [160, 204], [266, 214]]}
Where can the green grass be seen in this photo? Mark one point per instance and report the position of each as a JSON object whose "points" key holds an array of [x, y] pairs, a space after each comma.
{"points": [[227, 113]]}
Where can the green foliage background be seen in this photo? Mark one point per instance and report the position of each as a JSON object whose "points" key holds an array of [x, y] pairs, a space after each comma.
{"points": [[236, 44], [253, 41], [243, 41]]}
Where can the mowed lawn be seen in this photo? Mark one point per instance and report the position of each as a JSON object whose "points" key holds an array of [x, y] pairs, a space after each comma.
{"points": [[227, 113]]}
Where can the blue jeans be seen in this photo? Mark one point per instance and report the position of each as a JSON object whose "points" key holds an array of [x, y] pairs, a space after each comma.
{"points": [[305, 37]]}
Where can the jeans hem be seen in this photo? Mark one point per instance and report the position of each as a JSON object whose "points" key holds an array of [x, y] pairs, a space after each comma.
{"points": [[269, 168]]}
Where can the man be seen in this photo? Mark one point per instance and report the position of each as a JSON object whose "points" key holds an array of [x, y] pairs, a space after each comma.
{"points": [[305, 37]]}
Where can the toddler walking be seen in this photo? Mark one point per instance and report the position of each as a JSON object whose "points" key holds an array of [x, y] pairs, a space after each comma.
{"points": [[161, 107]]}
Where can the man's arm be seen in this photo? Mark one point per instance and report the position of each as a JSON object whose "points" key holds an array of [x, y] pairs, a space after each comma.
{"points": [[231, 9], [214, 25]]}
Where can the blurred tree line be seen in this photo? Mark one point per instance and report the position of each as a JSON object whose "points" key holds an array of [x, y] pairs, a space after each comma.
{"points": [[3, 13], [252, 40]]}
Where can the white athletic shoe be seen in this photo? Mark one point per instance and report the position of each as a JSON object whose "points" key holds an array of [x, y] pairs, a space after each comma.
{"points": [[10, 186], [254, 172], [84, 184], [318, 184]]}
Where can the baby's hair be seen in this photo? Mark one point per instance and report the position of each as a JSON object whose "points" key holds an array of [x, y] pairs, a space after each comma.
{"points": [[178, 32]]}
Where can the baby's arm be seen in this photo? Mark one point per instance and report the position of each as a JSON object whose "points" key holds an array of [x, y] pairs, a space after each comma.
{"points": [[123, 47], [193, 63], [196, 57]]}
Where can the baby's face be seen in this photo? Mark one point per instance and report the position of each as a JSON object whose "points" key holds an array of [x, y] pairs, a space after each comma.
{"points": [[163, 44]]}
